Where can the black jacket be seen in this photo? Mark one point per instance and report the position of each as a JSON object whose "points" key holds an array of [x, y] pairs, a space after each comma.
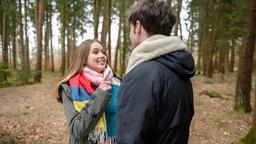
{"points": [[156, 101]]}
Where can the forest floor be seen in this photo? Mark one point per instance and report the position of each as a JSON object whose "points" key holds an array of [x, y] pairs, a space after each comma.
{"points": [[29, 114]]}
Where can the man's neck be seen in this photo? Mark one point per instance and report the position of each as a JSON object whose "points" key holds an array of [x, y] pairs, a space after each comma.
{"points": [[144, 35]]}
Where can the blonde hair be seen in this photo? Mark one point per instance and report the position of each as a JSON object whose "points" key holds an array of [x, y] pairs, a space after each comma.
{"points": [[79, 60]]}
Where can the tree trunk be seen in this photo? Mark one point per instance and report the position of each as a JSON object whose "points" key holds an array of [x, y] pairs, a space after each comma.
{"points": [[123, 10], [254, 110], [74, 37], [50, 29], [68, 58], [201, 36], [21, 45], [227, 45], [109, 45], [105, 23], [96, 15], [205, 39], [27, 63], [244, 77], [46, 47], [68, 18], [73, 30], [63, 37], [214, 35], [199, 53], [14, 48], [221, 61], [38, 74], [63, 51], [205, 49], [251, 137], [47, 33], [109, 34], [232, 56], [191, 35], [177, 24], [5, 37], [1, 22], [118, 45]]}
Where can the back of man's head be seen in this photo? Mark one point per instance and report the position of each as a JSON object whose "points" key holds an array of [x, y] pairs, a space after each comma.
{"points": [[155, 16]]}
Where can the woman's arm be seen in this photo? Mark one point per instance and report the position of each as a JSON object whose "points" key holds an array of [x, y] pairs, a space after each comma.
{"points": [[81, 124]]}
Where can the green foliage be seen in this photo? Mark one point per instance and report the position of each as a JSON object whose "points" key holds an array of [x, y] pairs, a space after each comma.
{"points": [[211, 94], [78, 14], [23, 77], [236, 17], [240, 108], [5, 72], [10, 76], [250, 138], [7, 7]]}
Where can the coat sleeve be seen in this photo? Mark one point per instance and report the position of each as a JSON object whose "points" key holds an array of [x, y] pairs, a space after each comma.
{"points": [[81, 124], [136, 109]]}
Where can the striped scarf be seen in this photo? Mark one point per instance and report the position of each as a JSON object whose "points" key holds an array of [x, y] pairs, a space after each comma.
{"points": [[82, 87]]}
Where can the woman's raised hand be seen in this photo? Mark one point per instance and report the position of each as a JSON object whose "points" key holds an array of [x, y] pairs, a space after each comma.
{"points": [[105, 84]]}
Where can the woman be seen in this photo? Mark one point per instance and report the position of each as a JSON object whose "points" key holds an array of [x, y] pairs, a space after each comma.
{"points": [[89, 96]]}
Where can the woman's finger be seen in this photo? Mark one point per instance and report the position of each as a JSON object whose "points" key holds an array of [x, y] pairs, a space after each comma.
{"points": [[106, 87], [107, 82]]}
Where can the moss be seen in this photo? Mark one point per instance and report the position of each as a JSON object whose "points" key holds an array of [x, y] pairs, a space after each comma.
{"points": [[211, 94], [208, 81], [250, 138], [240, 108]]}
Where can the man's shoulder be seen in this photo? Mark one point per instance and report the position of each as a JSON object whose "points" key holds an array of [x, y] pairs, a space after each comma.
{"points": [[145, 70], [148, 66]]}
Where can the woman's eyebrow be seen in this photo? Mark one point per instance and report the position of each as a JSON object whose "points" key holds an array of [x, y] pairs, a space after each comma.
{"points": [[96, 48]]}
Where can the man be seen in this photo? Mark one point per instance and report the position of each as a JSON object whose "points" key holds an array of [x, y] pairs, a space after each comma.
{"points": [[156, 96]]}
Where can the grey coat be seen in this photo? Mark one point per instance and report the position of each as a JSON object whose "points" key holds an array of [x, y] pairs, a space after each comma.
{"points": [[81, 124]]}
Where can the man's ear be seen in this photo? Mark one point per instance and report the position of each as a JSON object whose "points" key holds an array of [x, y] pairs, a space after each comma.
{"points": [[137, 27]]}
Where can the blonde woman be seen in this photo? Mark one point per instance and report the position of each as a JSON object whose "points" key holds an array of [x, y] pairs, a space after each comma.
{"points": [[89, 96]]}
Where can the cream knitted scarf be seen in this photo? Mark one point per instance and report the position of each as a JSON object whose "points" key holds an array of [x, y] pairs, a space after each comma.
{"points": [[154, 47]]}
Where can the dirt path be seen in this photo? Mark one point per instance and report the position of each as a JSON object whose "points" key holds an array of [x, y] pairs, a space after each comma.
{"points": [[215, 122], [29, 114]]}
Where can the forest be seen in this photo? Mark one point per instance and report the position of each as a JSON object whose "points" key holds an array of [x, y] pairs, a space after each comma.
{"points": [[38, 39]]}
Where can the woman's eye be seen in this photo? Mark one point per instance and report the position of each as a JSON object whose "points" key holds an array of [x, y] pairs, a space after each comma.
{"points": [[104, 51], [95, 52]]}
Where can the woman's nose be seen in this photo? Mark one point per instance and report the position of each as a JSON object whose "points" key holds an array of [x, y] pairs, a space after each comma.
{"points": [[102, 55]]}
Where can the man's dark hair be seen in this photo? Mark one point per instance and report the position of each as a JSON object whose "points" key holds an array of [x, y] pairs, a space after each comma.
{"points": [[155, 16]]}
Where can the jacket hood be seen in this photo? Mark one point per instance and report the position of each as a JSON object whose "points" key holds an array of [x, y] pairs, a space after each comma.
{"points": [[181, 62], [153, 47]]}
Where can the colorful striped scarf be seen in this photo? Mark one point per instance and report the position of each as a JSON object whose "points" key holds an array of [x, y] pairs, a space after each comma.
{"points": [[82, 87]]}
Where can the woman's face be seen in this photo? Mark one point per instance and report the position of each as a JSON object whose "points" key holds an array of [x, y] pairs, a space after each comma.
{"points": [[97, 59]]}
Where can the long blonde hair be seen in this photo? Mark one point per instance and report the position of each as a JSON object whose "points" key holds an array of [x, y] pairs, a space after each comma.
{"points": [[78, 62]]}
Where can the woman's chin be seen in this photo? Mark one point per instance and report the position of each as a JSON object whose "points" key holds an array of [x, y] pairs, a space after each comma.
{"points": [[100, 69]]}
